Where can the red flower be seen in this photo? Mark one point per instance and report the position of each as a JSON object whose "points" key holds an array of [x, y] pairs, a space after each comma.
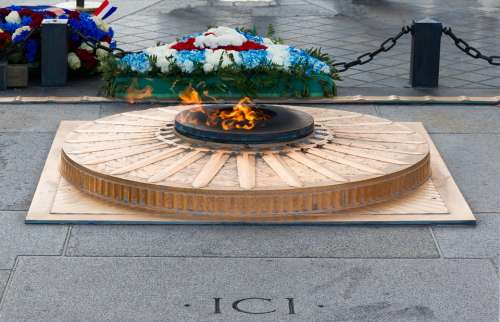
{"points": [[5, 38], [186, 45], [88, 59], [74, 15], [4, 12], [25, 12], [36, 20], [247, 45]]}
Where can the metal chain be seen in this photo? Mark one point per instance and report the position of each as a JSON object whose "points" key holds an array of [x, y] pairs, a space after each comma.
{"points": [[96, 44], [385, 46], [468, 49]]}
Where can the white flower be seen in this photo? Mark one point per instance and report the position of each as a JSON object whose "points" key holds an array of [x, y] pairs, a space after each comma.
{"points": [[73, 61], [213, 57], [207, 68], [186, 66], [19, 30], [325, 69], [100, 23], [268, 41], [220, 36], [13, 17], [101, 53], [86, 47], [162, 54], [279, 55]]}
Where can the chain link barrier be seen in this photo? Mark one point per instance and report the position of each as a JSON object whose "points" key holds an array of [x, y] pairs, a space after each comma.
{"points": [[385, 46], [468, 49], [96, 44], [365, 58]]}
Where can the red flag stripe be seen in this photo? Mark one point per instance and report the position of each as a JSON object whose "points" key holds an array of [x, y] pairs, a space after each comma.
{"points": [[103, 5]]}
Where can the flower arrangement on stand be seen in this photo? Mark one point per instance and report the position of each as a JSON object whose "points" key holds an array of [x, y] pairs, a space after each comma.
{"points": [[225, 62], [20, 36]]}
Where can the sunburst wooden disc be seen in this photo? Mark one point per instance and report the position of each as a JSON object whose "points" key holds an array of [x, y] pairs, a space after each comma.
{"points": [[352, 160]]}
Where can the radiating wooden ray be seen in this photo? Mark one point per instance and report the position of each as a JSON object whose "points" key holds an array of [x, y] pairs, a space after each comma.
{"points": [[152, 159], [360, 138], [299, 157], [210, 169], [328, 155], [119, 155], [112, 131], [177, 166], [114, 146], [371, 147], [361, 124], [245, 162], [282, 170], [350, 151], [341, 117], [380, 131], [111, 138], [173, 112], [147, 117], [128, 123]]}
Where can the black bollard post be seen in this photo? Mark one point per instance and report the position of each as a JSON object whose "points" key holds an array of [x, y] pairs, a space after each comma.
{"points": [[3, 74], [425, 53], [80, 3], [54, 37]]}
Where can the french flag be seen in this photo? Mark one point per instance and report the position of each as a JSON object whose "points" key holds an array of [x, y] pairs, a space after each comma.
{"points": [[105, 10]]}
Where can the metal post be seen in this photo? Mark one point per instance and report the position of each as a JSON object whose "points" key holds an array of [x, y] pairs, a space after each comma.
{"points": [[80, 3], [3, 75], [54, 37], [425, 53]]}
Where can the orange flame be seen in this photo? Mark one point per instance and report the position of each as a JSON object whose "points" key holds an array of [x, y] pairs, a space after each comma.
{"points": [[135, 94], [190, 96], [243, 116]]}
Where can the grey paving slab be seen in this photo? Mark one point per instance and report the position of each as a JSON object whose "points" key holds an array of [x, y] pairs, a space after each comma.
{"points": [[43, 117], [473, 160], [183, 289], [4, 276], [252, 241], [447, 118], [22, 156], [480, 241], [18, 238]]}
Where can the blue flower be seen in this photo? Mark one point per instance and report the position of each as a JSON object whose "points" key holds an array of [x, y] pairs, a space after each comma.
{"points": [[138, 62], [31, 49], [25, 21], [87, 27], [251, 37], [21, 36], [9, 27], [196, 56], [311, 64], [253, 58]]}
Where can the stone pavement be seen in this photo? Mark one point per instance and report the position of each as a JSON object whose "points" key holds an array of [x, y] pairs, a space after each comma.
{"points": [[319, 273], [343, 28]]}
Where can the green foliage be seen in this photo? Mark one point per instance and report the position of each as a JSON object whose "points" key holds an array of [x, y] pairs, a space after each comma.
{"points": [[324, 57], [250, 82]]}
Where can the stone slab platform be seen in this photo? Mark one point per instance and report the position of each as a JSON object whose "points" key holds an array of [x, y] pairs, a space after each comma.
{"points": [[56, 201]]}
